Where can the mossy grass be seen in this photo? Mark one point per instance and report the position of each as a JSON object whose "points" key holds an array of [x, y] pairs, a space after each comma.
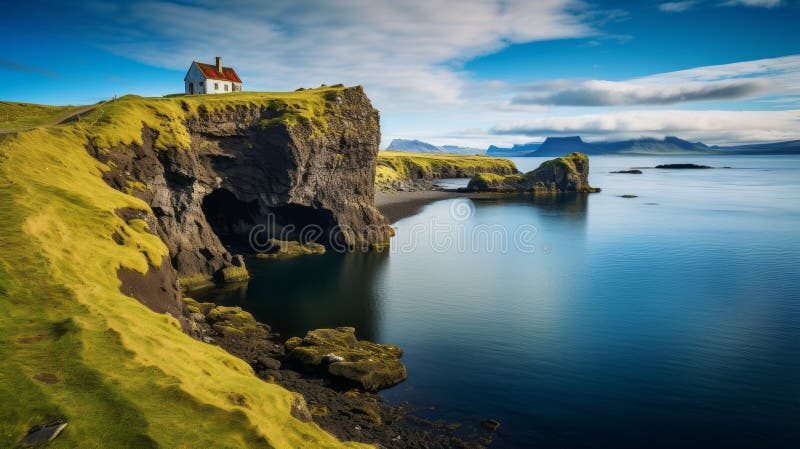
{"points": [[119, 122], [125, 376], [195, 282], [396, 166], [234, 274], [19, 116]]}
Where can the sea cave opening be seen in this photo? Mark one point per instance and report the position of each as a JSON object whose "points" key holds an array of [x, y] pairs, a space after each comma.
{"points": [[244, 226], [230, 218], [304, 224]]}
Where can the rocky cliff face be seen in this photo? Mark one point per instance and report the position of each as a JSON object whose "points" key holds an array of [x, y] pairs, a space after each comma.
{"points": [[288, 172], [563, 174]]}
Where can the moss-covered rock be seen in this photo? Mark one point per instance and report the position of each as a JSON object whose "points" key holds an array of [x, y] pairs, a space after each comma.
{"points": [[338, 352], [233, 274], [290, 248], [398, 170], [564, 174]]}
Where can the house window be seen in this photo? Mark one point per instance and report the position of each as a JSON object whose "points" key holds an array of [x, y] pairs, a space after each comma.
{"points": [[216, 86], [226, 88]]}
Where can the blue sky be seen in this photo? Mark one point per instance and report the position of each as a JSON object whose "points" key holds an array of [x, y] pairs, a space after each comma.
{"points": [[469, 72]]}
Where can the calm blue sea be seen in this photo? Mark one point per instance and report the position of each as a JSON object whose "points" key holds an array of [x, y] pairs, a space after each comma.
{"points": [[667, 320]]}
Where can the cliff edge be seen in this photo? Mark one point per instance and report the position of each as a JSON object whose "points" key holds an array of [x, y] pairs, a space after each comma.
{"points": [[224, 174]]}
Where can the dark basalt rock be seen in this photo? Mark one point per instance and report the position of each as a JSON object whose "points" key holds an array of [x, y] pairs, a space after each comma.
{"points": [[246, 168], [630, 172], [564, 174], [629, 196], [41, 435], [490, 424], [682, 166]]}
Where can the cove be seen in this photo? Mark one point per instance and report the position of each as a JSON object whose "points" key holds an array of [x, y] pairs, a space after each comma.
{"points": [[670, 319]]}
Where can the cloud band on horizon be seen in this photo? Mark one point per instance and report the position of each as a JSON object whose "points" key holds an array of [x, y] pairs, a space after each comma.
{"points": [[709, 125]]}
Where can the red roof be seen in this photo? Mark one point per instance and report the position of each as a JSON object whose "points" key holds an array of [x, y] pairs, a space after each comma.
{"points": [[209, 71]]}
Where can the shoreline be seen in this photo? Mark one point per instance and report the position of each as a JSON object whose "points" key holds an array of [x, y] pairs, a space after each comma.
{"points": [[398, 205], [339, 407]]}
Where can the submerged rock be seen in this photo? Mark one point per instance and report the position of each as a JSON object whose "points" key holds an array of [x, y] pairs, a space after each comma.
{"points": [[630, 172], [682, 166], [372, 366], [629, 196], [490, 424], [564, 174]]}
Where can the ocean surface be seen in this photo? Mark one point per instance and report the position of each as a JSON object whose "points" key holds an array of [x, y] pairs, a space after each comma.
{"points": [[587, 321]]}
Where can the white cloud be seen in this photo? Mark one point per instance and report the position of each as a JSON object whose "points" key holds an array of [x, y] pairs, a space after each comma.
{"points": [[684, 5], [407, 53], [753, 3], [709, 126], [720, 82], [609, 93], [676, 6]]}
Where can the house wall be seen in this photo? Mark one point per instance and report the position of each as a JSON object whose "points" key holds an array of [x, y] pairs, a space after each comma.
{"points": [[204, 86], [196, 78]]}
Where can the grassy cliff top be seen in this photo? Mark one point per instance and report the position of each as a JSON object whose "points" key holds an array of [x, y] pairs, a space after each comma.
{"points": [[119, 121], [72, 345], [394, 166]]}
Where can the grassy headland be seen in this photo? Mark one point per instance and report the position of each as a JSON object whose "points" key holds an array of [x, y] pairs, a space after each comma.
{"points": [[396, 167], [75, 347]]}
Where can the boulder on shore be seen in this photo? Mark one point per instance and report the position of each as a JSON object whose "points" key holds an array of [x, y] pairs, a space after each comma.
{"points": [[564, 174], [372, 366]]}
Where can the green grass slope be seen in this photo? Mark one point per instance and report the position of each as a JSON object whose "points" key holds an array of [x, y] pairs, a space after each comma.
{"points": [[15, 116], [72, 345]]}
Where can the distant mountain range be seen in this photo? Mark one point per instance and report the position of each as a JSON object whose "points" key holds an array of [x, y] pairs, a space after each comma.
{"points": [[523, 150], [560, 146], [418, 146]]}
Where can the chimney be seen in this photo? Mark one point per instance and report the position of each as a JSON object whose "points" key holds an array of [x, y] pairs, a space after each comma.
{"points": [[219, 64]]}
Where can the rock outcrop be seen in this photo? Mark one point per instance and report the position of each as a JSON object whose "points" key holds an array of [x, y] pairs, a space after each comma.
{"points": [[371, 366], [400, 171], [564, 174], [682, 166], [279, 249], [296, 168]]}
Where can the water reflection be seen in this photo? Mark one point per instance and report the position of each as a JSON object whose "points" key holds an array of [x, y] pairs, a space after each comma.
{"points": [[299, 294], [295, 295]]}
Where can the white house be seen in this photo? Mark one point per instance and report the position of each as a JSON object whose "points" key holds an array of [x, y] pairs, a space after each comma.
{"points": [[211, 79]]}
